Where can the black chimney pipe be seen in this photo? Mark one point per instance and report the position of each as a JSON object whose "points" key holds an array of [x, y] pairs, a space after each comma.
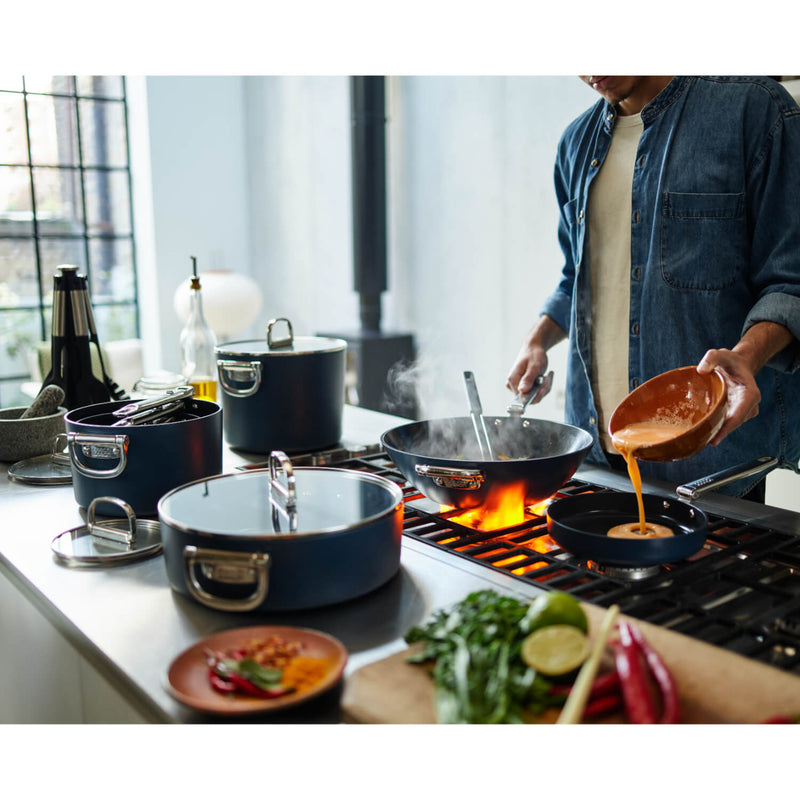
{"points": [[368, 117]]}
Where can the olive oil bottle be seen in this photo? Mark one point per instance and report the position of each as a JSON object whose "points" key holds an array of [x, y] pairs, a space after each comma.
{"points": [[198, 343]]}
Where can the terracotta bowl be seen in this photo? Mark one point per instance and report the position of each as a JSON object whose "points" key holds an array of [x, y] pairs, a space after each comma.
{"points": [[26, 438], [681, 395]]}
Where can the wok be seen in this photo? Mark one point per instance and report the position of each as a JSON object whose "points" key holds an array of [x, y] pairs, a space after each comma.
{"points": [[441, 457]]}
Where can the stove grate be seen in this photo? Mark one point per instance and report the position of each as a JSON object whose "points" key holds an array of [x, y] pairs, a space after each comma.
{"points": [[741, 591]]}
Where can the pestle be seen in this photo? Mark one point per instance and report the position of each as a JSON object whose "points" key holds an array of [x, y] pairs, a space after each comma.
{"points": [[46, 402]]}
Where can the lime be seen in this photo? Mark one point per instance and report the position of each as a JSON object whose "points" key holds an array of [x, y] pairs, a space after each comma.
{"points": [[555, 650], [554, 608]]}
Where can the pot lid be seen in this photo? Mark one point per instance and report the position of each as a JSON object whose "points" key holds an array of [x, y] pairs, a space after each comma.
{"points": [[287, 344], [108, 543], [52, 469], [261, 503]]}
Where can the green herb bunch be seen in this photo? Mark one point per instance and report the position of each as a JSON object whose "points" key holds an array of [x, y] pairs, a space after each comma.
{"points": [[479, 676]]}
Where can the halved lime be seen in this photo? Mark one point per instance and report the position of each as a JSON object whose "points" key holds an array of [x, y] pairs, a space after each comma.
{"points": [[555, 649], [554, 608]]}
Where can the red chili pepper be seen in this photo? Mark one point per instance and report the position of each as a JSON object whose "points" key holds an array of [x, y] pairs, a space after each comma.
{"points": [[670, 707], [603, 684], [604, 704], [220, 684], [639, 703], [242, 684]]}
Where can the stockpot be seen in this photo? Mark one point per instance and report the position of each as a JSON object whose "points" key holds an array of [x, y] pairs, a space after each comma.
{"points": [[282, 538], [282, 393], [138, 463]]}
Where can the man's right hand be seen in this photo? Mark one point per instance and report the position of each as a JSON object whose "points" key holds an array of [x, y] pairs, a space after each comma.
{"points": [[531, 361]]}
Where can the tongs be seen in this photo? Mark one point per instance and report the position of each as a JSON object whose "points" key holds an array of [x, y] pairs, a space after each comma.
{"points": [[156, 409], [478, 420], [541, 386]]}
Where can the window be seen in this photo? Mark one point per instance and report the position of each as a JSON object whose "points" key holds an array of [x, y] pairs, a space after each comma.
{"points": [[65, 198]]}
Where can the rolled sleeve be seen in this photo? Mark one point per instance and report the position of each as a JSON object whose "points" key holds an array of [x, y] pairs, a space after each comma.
{"points": [[783, 309], [557, 307]]}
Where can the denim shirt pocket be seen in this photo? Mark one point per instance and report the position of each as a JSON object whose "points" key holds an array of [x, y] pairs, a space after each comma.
{"points": [[703, 239]]}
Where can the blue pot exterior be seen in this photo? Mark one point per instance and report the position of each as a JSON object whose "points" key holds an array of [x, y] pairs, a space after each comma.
{"points": [[160, 456]]}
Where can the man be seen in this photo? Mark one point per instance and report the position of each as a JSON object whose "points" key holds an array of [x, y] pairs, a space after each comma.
{"points": [[680, 231]]}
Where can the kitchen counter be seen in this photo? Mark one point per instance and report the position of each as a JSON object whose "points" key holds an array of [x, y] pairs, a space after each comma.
{"points": [[124, 625]]}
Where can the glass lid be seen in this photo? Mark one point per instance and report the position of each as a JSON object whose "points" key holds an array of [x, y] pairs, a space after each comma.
{"points": [[281, 341], [259, 503]]}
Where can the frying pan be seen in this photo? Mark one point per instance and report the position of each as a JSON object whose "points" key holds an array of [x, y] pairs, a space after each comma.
{"points": [[579, 524], [442, 459]]}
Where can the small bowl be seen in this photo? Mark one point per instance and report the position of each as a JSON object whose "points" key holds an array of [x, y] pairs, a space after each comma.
{"points": [[680, 395], [26, 438]]}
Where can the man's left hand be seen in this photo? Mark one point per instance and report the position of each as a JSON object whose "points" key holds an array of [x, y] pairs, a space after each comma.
{"points": [[743, 392]]}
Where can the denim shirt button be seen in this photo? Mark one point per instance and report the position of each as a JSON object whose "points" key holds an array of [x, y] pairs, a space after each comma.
{"points": [[595, 162], [635, 329], [592, 421], [637, 273]]}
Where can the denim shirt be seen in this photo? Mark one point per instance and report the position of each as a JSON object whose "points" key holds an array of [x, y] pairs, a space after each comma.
{"points": [[715, 248]]}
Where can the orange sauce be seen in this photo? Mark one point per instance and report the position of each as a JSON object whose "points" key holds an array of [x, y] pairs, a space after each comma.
{"points": [[627, 441]]}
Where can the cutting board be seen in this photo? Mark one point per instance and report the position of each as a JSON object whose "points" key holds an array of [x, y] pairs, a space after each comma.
{"points": [[714, 686]]}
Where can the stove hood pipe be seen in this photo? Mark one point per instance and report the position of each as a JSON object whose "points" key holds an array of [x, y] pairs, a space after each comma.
{"points": [[368, 142]]}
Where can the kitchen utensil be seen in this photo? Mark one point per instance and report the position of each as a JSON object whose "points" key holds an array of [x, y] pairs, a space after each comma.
{"points": [[187, 676], [73, 331], [283, 538], [478, 422], [441, 458], [26, 438], [576, 701], [45, 403], [694, 403], [580, 523], [108, 543], [282, 393], [140, 463], [541, 386], [52, 469], [157, 409]]}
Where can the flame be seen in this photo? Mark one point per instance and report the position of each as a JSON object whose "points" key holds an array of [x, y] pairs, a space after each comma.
{"points": [[502, 510]]}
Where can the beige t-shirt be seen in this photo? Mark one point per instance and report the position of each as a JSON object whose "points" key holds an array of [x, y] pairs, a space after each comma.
{"points": [[610, 266]]}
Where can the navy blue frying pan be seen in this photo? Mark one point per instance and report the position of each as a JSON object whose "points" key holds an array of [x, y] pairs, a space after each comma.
{"points": [[579, 525]]}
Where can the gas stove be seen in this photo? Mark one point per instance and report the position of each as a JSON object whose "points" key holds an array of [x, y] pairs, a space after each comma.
{"points": [[740, 592]]}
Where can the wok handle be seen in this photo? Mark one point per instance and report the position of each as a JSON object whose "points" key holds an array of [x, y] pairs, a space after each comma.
{"points": [[225, 566], [451, 477], [726, 476]]}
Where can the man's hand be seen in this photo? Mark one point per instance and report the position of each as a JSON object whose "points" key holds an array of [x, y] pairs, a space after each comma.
{"points": [[740, 366], [531, 361], [743, 393]]}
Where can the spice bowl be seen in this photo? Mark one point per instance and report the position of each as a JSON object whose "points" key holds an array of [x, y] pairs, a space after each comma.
{"points": [[30, 437]]}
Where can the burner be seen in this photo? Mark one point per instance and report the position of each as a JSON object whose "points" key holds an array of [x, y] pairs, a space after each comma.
{"points": [[625, 573]]}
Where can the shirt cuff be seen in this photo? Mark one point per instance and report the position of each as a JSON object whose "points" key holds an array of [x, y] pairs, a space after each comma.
{"points": [[783, 309], [557, 307]]}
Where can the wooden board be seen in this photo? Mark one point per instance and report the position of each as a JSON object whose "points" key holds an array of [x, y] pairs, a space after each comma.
{"points": [[715, 686]]}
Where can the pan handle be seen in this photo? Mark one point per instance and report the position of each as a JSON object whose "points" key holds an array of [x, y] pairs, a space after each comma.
{"points": [[228, 567], [450, 477], [725, 476], [247, 372]]}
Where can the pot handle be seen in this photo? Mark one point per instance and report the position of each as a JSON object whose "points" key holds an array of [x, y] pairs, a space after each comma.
{"points": [[251, 374], [283, 499], [725, 476], [101, 446], [225, 566], [451, 477]]}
